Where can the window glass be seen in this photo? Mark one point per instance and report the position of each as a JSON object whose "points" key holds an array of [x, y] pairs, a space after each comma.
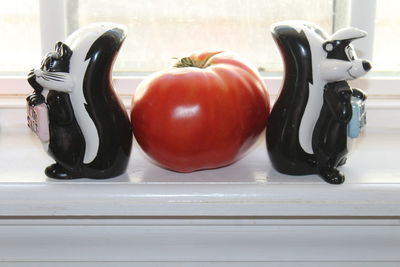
{"points": [[20, 36], [160, 30], [386, 56]]}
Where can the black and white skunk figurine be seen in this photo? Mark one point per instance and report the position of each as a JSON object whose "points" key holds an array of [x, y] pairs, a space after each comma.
{"points": [[88, 132], [307, 130]]}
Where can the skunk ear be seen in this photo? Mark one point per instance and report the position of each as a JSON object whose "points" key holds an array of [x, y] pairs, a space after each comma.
{"points": [[349, 33], [63, 50], [58, 45], [329, 46]]}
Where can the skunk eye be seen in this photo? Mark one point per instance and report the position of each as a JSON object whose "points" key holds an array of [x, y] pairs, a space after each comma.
{"points": [[51, 63], [350, 53], [45, 64]]}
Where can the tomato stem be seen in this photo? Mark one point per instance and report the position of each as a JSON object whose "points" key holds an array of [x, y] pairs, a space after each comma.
{"points": [[189, 62]]}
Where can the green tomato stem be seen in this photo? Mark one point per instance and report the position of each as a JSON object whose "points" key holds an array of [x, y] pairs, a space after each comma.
{"points": [[188, 62]]}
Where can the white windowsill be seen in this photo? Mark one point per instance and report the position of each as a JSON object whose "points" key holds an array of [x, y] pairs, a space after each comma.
{"points": [[244, 214], [249, 187]]}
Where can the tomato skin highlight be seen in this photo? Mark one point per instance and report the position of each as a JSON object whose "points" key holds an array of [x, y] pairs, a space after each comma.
{"points": [[191, 118]]}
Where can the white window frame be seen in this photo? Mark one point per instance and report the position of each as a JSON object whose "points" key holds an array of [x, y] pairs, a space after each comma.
{"points": [[359, 13], [362, 16]]}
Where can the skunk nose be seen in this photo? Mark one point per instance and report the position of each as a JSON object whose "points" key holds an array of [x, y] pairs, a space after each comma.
{"points": [[366, 65]]}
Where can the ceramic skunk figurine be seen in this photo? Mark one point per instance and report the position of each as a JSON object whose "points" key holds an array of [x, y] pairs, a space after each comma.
{"points": [[308, 127], [74, 108]]}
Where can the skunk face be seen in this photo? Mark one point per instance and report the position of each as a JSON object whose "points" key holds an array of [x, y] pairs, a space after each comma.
{"points": [[342, 62], [359, 67], [54, 70], [57, 61]]}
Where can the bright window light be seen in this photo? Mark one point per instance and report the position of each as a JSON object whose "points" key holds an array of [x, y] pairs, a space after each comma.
{"points": [[386, 56], [159, 30], [20, 36]]}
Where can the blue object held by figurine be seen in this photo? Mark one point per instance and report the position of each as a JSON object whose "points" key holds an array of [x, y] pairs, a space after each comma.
{"points": [[358, 119], [74, 108], [310, 122]]}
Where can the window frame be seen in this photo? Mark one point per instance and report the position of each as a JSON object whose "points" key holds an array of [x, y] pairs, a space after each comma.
{"points": [[357, 13], [375, 86]]}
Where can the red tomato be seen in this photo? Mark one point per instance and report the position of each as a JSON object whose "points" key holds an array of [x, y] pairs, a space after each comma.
{"points": [[204, 113]]}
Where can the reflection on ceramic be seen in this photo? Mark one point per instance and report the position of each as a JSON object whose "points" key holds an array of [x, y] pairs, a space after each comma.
{"points": [[89, 130], [308, 127]]}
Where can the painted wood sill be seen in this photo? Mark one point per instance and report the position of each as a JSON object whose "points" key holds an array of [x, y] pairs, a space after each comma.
{"points": [[248, 188]]}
